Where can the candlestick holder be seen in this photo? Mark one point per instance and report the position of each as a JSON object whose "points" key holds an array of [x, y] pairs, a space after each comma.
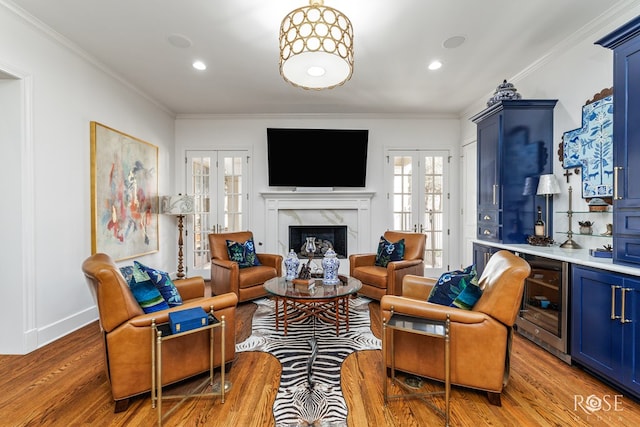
{"points": [[570, 243]]}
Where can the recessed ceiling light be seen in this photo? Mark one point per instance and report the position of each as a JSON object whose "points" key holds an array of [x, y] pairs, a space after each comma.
{"points": [[178, 40], [453, 42], [199, 65], [434, 65]]}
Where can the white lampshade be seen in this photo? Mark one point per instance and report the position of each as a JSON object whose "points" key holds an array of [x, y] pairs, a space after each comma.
{"points": [[177, 205], [548, 184], [316, 47]]}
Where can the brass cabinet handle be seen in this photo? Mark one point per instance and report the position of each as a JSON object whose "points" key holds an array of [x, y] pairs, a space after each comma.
{"points": [[613, 302], [486, 218], [615, 182], [486, 232], [622, 312]]}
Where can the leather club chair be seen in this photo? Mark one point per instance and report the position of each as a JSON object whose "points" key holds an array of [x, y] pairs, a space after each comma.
{"points": [[247, 282], [126, 331], [378, 281], [480, 338]]}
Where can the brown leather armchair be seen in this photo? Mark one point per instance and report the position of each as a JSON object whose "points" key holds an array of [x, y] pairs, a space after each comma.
{"points": [[126, 331], [378, 281], [247, 282], [480, 338]]}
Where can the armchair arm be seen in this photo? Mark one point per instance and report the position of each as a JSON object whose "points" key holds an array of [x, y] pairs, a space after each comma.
{"points": [[224, 276], [405, 263], [359, 260], [396, 270], [219, 302], [272, 260], [417, 287], [190, 287], [427, 310]]}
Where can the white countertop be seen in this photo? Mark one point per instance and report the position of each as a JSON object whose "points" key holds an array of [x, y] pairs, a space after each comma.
{"points": [[574, 256]]}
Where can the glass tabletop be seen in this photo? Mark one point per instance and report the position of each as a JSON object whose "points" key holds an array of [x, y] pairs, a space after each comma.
{"points": [[281, 287]]}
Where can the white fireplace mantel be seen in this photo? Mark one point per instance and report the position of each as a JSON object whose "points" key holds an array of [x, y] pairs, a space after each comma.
{"points": [[328, 204]]}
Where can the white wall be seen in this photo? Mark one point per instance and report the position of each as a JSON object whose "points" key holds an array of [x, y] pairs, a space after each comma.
{"points": [[217, 132], [50, 226]]}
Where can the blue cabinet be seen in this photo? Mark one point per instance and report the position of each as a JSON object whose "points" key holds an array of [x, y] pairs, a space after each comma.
{"points": [[605, 315], [481, 255], [625, 42], [515, 147]]}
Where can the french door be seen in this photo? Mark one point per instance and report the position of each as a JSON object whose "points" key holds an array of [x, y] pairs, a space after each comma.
{"points": [[419, 201], [218, 181]]}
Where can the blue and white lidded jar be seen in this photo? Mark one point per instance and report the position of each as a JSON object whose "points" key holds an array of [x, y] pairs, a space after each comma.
{"points": [[330, 264], [291, 264]]}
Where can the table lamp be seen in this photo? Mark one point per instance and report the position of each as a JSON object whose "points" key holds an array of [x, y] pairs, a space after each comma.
{"points": [[179, 206], [547, 186]]}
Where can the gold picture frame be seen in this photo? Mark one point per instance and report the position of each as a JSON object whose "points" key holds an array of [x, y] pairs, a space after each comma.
{"points": [[124, 194]]}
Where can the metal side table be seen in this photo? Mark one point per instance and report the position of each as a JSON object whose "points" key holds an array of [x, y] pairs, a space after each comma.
{"points": [[416, 325], [161, 333]]}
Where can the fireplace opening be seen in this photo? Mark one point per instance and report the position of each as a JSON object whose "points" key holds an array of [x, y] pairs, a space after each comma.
{"points": [[327, 236]]}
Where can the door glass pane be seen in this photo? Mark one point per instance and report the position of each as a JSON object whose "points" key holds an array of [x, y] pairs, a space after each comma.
{"points": [[233, 208], [433, 215], [402, 176], [200, 176]]}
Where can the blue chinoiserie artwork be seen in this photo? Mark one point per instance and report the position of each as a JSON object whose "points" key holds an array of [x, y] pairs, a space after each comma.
{"points": [[591, 148]]}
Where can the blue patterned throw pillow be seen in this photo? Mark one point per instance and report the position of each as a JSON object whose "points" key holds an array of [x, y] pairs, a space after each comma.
{"points": [[163, 283], [451, 285], [469, 296], [389, 251], [243, 253], [143, 290]]}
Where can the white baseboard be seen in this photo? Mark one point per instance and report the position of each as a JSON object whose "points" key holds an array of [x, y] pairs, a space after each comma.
{"points": [[57, 330]]}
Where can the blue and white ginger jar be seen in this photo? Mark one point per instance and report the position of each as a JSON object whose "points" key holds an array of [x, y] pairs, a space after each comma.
{"points": [[330, 264], [291, 264]]}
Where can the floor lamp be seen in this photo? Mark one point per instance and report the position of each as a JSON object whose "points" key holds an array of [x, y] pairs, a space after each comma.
{"points": [[547, 186], [179, 206]]}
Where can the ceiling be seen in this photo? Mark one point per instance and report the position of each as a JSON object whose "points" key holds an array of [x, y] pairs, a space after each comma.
{"points": [[394, 40]]}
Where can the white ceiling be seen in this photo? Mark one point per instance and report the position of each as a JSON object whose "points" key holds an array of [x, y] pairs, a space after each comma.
{"points": [[394, 40]]}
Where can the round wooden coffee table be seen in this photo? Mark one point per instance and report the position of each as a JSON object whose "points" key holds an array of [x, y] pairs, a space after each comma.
{"points": [[329, 303]]}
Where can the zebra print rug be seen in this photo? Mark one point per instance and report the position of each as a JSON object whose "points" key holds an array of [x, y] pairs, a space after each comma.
{"points": [[297, 402]]}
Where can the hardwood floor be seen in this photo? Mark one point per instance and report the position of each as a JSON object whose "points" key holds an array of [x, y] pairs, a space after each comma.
{"points": [[64, 384]]}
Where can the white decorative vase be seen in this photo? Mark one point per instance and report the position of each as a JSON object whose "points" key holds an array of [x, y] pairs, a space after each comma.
{"points": [[291, 264], [330, 264]]}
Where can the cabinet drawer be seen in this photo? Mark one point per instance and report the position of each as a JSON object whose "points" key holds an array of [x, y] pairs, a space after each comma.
{"points": [[488, 232], [487, 217], [627, 250], [627, 221]]}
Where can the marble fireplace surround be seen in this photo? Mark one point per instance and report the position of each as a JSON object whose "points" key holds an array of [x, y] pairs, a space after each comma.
{"points": [[350, 208]]}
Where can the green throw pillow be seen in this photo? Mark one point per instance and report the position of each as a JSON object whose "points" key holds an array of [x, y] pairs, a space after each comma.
{"points": [[163, 283], [243, 253], [451, 284], [468, 297], [389, 251], [144, 290]]}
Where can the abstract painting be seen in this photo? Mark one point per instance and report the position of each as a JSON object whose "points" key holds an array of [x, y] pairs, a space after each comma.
{"points": [[124, 194], [591, 147]]}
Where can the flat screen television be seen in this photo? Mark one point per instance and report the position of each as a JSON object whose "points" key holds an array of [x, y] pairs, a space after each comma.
{"points": [[317, 157]]}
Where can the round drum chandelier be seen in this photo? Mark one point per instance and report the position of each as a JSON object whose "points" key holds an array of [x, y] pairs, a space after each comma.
{"points": [[316, 47]]}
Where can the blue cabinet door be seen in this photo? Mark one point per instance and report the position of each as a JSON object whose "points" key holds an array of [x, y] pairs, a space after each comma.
{"points": [[631, 338], [488, 161], [596, 338], [481, 255], [625, 43], [604, 325]]}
